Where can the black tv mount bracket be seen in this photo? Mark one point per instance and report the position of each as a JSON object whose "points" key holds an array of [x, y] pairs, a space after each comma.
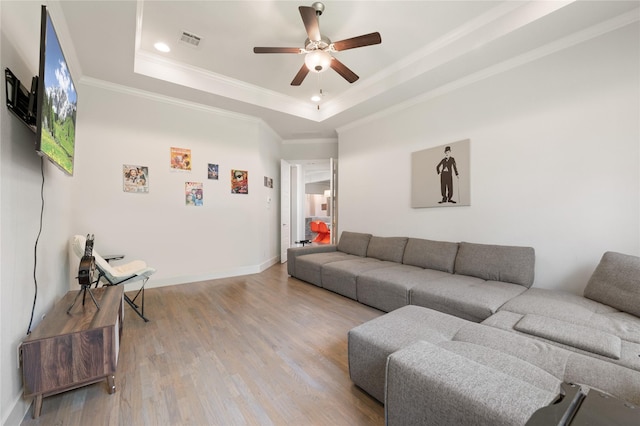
{"points": [[19, 98]]}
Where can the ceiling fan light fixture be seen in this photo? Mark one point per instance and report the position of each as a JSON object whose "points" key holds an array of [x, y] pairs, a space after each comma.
{"points": [[317, 61], [318, 48]]}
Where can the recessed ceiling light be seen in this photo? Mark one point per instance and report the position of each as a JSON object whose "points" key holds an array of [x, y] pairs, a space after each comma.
{"points": [[162, 47], [317, 97]]}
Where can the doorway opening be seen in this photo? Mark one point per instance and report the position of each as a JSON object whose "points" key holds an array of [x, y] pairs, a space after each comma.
{"points": [[308, 202]]}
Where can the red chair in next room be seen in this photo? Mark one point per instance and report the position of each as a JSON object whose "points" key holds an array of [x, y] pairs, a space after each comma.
{"points": [[324, 234]]}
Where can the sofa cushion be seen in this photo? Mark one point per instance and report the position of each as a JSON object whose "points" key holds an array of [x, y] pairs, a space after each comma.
{"points": [[568, 366], [466, 297], [340, 277], [576, 310], [354, 243], [308, 267], [613, 324], [509, 264], [438, 255], [577, 336], [387, 248], [508, 364], [550, 358], [556, 304], [294, 252], [388, 288], [372, 342], [629, 350], [458, 383], [616, 282]]}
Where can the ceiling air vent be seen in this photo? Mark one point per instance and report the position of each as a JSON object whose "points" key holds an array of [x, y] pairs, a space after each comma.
{"points": [[190, 39]]}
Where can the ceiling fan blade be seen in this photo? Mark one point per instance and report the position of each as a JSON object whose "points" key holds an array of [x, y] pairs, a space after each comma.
{"points": [[360, 41], [311, 23], [297, 80], [277, 50], [342, 69]]}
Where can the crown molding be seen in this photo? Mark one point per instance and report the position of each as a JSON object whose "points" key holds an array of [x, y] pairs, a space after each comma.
{"points": [[309, 141], [159, 67], [587, 34], [464, 40], [154, 66], [101, 84]]}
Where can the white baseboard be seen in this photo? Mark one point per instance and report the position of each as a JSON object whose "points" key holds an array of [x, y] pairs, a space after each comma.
{"points": [[269, 263], [225, 273], [20, 408]]}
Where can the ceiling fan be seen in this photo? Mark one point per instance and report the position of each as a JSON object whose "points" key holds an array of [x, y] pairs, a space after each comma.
{"points": [[318, 48]]}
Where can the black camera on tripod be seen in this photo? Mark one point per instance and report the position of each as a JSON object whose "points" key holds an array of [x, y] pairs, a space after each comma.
{"points": [[86, 273]]}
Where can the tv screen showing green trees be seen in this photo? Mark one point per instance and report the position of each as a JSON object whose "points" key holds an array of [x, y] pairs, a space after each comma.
{"points": [[58, 101]]}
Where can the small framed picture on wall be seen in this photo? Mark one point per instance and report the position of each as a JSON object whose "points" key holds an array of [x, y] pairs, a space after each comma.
{"points": [[212, 171], [180, 159], [239, 182], [135, 178], [194, 194]]}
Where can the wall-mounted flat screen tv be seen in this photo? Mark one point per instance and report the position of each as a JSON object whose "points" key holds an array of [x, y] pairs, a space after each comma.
{"points": [[57, 101]]}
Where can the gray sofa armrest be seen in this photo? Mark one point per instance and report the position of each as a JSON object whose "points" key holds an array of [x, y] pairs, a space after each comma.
{"points": [[430, 384], [294, 252]]}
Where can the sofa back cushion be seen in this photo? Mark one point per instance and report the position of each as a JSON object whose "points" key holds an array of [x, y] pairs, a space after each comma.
{"points": [[508, 264], [574, 335], [438, 255], [354, 243], [616, 282], [387, 248]]}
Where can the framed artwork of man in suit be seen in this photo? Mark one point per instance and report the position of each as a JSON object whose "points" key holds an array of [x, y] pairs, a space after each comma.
{"points": [[440, 176]]}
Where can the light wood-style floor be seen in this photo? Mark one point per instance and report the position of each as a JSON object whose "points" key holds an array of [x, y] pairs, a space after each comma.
{"points": [[259, 349]]}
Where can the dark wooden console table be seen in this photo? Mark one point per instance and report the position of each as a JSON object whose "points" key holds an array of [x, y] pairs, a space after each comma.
{"points": [[66, 351]]}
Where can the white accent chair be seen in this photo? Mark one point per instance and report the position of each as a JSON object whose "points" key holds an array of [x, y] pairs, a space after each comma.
{"points": [[133, 271]]}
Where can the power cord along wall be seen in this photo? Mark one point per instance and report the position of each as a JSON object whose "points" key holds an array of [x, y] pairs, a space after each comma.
{"points": [[35, 248]]}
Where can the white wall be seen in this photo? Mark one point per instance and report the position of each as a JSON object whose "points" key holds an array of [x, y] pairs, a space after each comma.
{"points": [[555, 161], [313, 149], [20, 204], [270, 154], [231, 234]]}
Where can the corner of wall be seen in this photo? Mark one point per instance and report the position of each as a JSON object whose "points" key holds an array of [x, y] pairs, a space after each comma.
{"points": [[18, 412]]}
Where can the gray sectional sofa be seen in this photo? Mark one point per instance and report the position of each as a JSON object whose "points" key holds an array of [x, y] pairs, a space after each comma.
{"points": [[466, 340], [467, 280]]}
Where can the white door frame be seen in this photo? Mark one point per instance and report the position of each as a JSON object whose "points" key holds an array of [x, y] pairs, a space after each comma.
{"points": [[292, 197], [285, 209]]}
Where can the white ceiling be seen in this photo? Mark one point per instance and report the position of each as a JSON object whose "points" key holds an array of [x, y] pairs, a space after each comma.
{"points": [[428, 48]]}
